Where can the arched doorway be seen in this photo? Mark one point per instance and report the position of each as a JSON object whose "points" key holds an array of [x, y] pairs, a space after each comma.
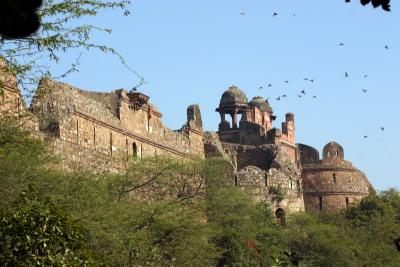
{"points": [[134, 150], [280, 216]]}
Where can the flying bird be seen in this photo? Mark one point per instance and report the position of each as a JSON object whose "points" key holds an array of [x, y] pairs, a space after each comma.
{"points": [[365, 136], [306, 79], [312, 80], [242, 13], [284, 95], [260, 87], [275, 14], [387, 47], [382, 129], [366, 75], [269, 85], [314, 96], [299, 96], [346, 75], [286, 81], [341, 44], [364, 90], [278, 98], [303, 92]]}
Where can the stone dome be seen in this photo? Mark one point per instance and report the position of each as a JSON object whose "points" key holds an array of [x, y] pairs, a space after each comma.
{"points": [[261, 103], [233, 97], [333, 150]]}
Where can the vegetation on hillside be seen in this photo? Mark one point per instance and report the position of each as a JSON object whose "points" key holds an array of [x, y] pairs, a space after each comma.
{"points": [[165, 212]]}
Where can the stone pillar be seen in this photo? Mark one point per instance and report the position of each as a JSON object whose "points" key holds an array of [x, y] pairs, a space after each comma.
{"points": [[234, 120], [222, 114]]}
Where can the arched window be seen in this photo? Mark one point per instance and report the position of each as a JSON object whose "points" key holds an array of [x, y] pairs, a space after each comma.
{"points": [[134, 150]]}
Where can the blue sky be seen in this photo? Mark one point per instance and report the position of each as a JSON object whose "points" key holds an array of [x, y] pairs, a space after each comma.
{"points": [[191, 51]]}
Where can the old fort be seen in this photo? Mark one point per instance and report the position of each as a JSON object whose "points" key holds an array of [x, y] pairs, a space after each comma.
{"points": [[99, 130]]}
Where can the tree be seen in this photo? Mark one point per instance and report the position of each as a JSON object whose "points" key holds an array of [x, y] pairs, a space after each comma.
{"points": [[60, 32], [21, 160], [36, 233]]}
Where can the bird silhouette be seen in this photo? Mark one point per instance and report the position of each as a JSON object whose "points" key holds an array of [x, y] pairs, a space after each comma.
{"points": [[312, 80], [365, 136], [382, 129], [299, 96], [242, 13], [286, 81], [278, 98], [260, 87], [284, 95], [269, 85], [364, 91], [306, 79], [134, 89], [346, 75], [303, 92], [275, 14], [341, 44], [314, 96], [387, 47], [366, 75]]}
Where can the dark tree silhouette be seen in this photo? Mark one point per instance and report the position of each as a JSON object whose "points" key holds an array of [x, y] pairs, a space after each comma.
{"points": [[385, 4], [18, 18]]}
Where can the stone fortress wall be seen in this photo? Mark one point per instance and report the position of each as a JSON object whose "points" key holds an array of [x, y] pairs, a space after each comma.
{"points": [[103, 130], [109, 123]]}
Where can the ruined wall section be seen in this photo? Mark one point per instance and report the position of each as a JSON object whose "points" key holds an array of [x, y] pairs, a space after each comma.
{"points": [[12, 103], [105, 123], [261, 170]]}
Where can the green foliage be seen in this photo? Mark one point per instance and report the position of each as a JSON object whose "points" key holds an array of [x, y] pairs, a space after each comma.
{"points": [[36, 233], [165, 212], [277, 192], [21, 159]]}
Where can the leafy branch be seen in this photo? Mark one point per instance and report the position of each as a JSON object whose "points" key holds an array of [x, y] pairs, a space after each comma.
{"points": [[61, 33]]}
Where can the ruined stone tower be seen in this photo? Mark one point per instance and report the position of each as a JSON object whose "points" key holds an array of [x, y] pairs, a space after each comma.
{"points": [[332, 182], [264, 159]]}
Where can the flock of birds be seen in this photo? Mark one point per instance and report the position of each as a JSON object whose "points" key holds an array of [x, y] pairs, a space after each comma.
{"points": [[302, 93]]}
